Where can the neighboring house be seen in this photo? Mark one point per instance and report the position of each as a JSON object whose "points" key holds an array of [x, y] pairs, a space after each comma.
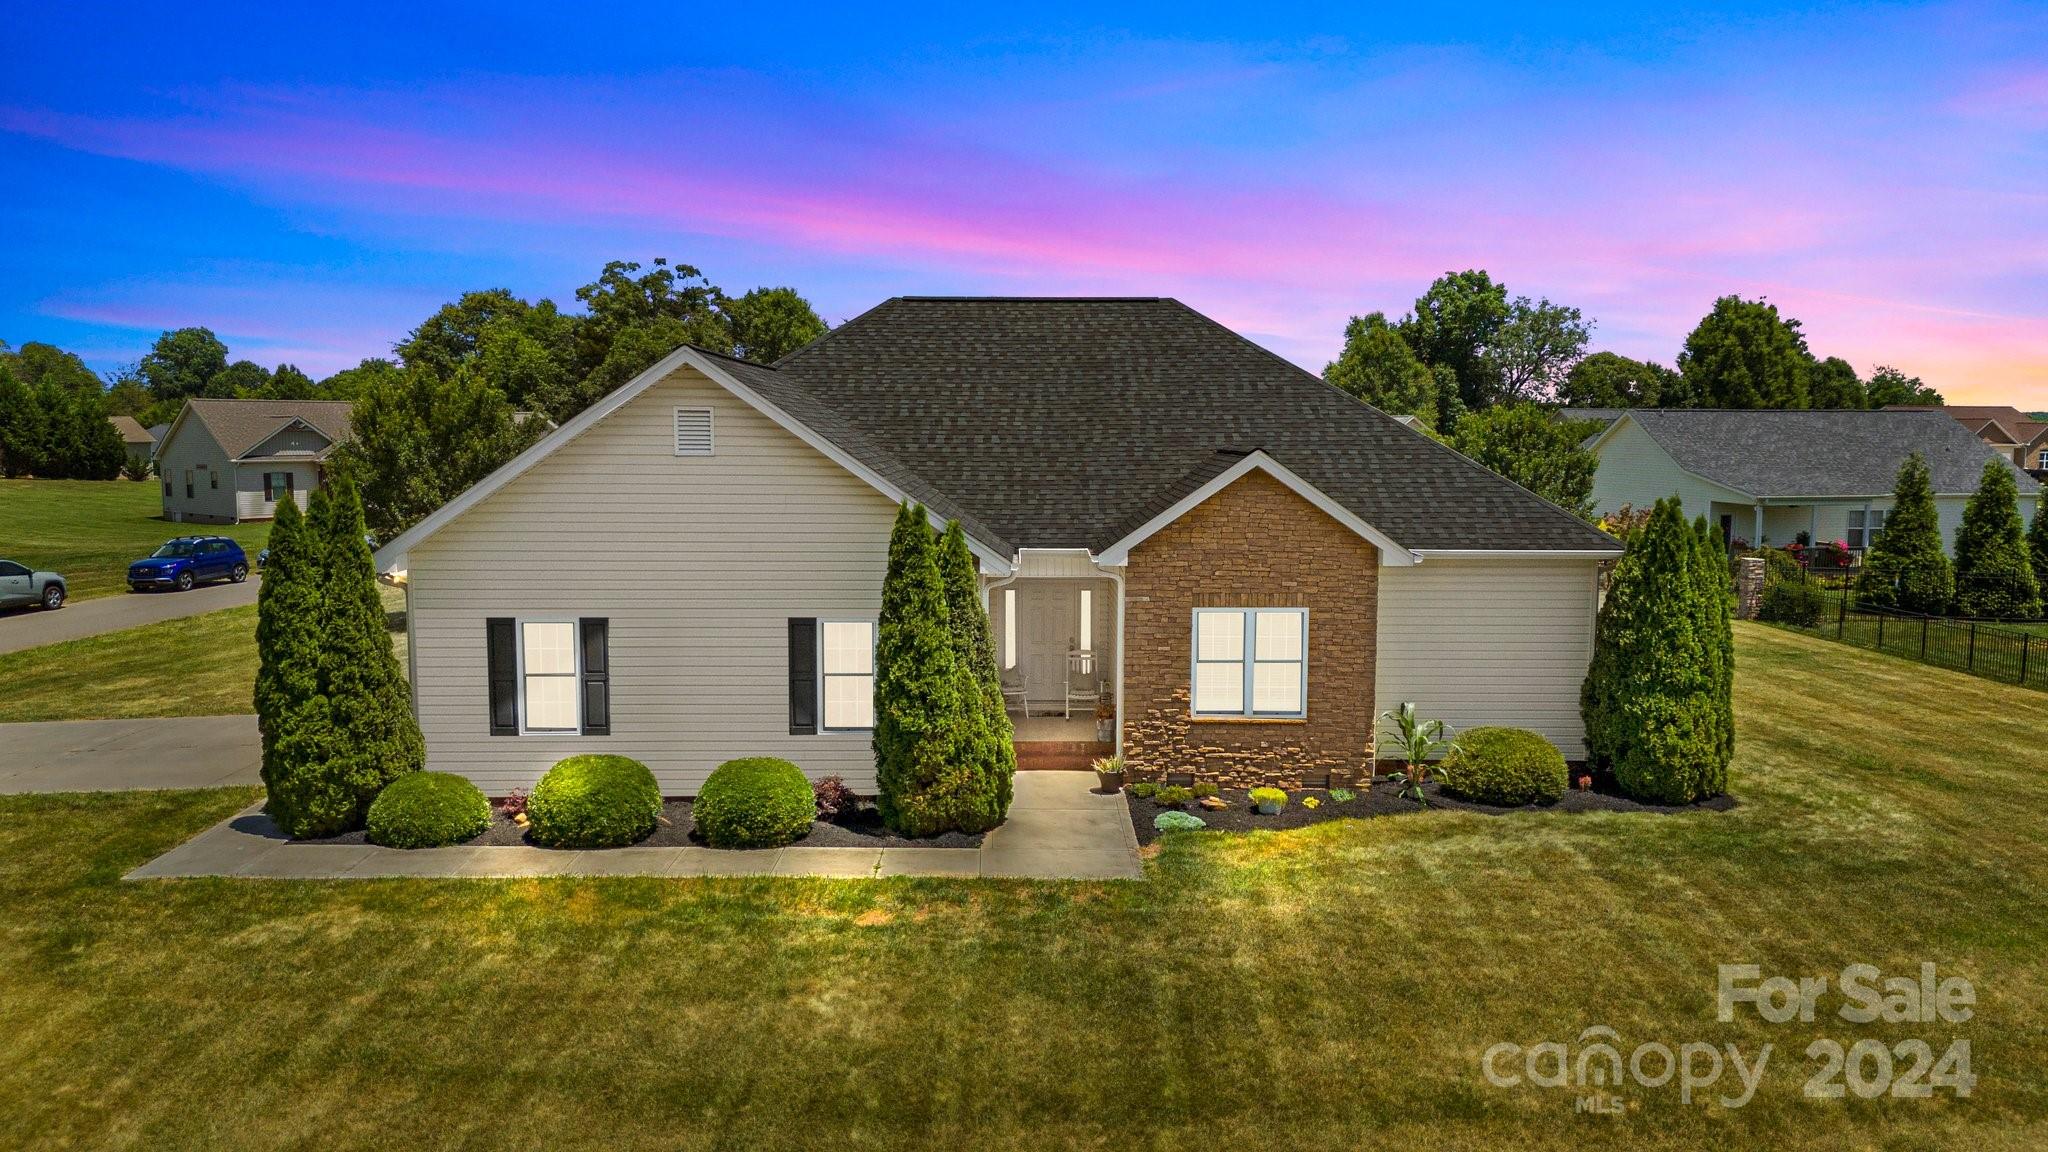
{"points": [[2017, 436], [141, 445], [1246, 564], [1765, 477], [224, 461]]}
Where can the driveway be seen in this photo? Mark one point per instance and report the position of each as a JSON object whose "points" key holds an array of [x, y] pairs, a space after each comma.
{"points": [[108, 755], [32, 627]]}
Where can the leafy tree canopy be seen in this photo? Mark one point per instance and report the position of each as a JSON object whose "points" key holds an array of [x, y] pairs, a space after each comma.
{"points": [[1832, 383], [1888, 386], [1532, 353], [1744, 355], [1378, 367], [1529, 445], [770, 323], [181, 364], [1453, 325], [1611, 380]]}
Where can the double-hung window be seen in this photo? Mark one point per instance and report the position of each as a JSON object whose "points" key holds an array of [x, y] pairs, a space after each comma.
{"points": [[549, 676], [1864, 527], [1250, 662], [847, 668]]}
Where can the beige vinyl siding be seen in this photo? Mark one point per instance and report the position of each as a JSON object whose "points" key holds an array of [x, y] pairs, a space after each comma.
{"points": [[1489, 641], [1635, 470], [191, 447], [698, 562], [249, 501]]}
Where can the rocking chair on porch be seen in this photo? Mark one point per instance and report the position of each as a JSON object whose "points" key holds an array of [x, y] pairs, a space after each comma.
{"points": [[1083, 685], [1015, 698]]}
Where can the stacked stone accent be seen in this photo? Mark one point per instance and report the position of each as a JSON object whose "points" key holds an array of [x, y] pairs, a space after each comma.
{"points": [[1253, 545], [1749, 586]]}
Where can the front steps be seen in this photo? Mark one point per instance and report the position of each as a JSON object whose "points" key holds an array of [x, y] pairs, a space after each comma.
{"points": [[1060, 755]]}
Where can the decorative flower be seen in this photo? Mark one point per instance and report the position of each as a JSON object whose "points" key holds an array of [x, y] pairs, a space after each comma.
{"points": [[1310, 802]]}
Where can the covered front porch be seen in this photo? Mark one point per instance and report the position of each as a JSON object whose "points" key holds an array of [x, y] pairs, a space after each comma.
{"points": [[1056, 644]]}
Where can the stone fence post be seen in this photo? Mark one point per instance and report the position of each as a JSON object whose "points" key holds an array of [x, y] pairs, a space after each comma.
{"points": [[1749, 585]]}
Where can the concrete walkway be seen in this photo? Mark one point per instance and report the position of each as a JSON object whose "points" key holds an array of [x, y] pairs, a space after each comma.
{"points": [[1059, 829], [33, 627], [106, 755]]}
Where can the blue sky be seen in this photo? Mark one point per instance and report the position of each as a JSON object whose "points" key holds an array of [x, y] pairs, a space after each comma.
{"points": [[310, 184]]}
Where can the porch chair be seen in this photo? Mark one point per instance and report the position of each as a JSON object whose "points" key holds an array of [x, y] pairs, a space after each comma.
{"points": [[1083, 685], [1014, 694]]}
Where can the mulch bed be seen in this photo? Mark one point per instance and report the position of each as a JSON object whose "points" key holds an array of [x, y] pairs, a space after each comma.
{"points": [[1381, 800], [676, 829]]}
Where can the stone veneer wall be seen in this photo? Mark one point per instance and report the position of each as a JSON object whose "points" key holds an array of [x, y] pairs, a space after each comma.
{"points": [[1253, 545]]}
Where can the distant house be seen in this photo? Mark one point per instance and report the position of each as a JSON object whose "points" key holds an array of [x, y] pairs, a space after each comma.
{"points": [[225, 461], [2016, 435], [134, 437], [1766, 477]]}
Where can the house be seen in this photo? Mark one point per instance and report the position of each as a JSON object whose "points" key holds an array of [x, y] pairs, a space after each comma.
{"points": [[225, 461], [135, 438], [1767, 477], [2016, 435], [1244, 564]]}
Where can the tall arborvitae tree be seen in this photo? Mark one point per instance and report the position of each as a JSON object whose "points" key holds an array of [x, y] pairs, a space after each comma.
{"points": [[1994, 570], [2037, 541], [986, 725], [922, 789], [1906, 568], [1715, 603], [1655, 700], [376, 738], [291, 713]]}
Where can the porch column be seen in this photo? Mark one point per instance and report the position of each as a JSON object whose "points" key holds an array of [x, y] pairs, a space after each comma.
{"points": [[1756, 539]]}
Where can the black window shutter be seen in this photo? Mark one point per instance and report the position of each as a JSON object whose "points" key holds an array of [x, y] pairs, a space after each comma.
{"points": [[504, 676], [597, 675], [803, 676]]}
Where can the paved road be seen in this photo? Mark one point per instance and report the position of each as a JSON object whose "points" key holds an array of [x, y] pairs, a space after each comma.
{"points": [[106, 755], [30, 627]]}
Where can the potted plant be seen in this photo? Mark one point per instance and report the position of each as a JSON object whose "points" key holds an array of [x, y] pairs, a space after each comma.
{"points": [[1105, 719], [1268, 801], [1109, 772], [1405, 737]]}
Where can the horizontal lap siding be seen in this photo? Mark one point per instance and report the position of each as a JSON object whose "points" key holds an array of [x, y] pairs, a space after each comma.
{"points": [[1503, 642], [697, 562]]}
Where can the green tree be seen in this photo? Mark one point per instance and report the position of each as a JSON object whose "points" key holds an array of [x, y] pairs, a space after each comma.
{"points": [[1832, 383], [292, 717], [1453, 325], [418, 441], [369, 705], [1994, 566], [988, 740], [1378, 367], [1906, 567], [288, 383], [37, 363], [1530, 446], [1714, 605], [241, 380], [352, 383], [770, 323], [126, 395], [94, 450], [1890, 386], [1744, 355], [2037, 541], [1655, 700], [181, 364], [1610, 380], [1531, 354], [620, 301], [921, 788], [24, 427]]}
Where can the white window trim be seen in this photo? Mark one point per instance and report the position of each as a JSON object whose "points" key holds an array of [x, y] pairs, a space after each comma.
{"points": [[1009, 628], [1087, 625], [873, 673], [1250, 662], [519, 624], [710, 431]]}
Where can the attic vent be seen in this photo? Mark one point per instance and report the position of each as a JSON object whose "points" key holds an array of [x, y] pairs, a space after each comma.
{"points": [[693, 431]]}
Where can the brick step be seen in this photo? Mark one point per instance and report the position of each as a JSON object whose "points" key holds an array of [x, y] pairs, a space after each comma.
{"points": [[1060, 755]]}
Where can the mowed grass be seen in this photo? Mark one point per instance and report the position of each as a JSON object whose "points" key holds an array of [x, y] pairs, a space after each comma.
{"points": [[202, 665], [88, 531], [1333, 987]]}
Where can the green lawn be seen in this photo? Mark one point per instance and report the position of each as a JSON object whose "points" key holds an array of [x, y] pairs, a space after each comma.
{"points": [[1330, 987], [201, 665], [87, 531]]}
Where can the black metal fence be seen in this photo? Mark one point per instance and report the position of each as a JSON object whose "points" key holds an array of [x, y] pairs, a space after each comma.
{"points": [[1989, 650]]}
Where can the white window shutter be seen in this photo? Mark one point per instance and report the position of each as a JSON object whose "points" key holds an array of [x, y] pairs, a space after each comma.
{"points": [[693, 431]]}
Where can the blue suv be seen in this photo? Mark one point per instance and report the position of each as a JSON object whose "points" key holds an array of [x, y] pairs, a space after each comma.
{"points": [[189, 560]]}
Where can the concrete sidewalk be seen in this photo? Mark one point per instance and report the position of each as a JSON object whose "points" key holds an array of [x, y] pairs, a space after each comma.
{"points": [[1059, 829], [33, 627], [104, 755]]}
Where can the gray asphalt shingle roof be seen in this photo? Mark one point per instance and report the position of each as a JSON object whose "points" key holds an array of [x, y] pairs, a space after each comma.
{"points": [[1820, 453], [241, 425], [1061, 422]]}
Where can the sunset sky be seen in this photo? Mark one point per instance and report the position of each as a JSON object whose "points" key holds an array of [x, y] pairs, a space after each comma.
{"points": [[312, 184]]}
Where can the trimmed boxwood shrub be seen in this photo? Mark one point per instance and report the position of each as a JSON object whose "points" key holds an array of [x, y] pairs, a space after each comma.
{"points": [[595, 802], [1505, 766], [428, 810], [1791, 602], [756, 802]]}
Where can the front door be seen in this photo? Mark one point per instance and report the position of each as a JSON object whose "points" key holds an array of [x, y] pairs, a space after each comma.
{"points": [[1049, 619]]}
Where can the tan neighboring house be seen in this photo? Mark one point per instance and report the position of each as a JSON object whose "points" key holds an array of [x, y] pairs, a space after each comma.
{"points": [[1193, 552], [2017, 436], [225, 461], [141, 445]]}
